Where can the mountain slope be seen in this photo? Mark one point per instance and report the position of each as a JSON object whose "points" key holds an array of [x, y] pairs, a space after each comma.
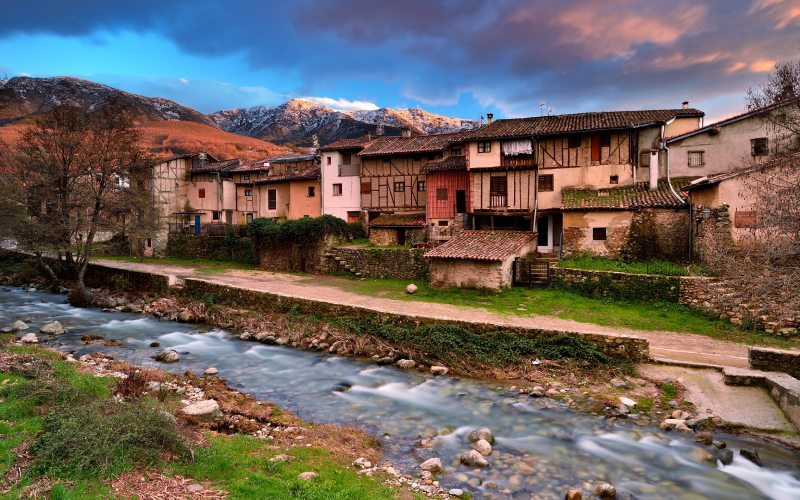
{"points": [[416, 119]]}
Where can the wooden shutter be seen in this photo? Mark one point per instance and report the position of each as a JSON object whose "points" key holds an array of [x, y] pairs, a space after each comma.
{"points": [[595, 148]]}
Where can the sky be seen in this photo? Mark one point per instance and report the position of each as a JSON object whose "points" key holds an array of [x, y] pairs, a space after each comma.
{"points": [[462, 58]]}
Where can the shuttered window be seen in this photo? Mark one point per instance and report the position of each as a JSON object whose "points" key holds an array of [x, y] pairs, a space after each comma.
{"points": [[201, 193], [366, 187], [546, 182], [272, 199], [441, 194], [498, 186], [697, 158]]}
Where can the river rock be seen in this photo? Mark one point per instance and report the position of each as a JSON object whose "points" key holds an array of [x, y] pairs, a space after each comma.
{"points": [[483, 447], [674, 423], [484, 433], [411, 288], [362, 463], [473, 459], [185, 316], [52, 328], [574, 494], [306, 476], [725, 456], [386, 360], [29, 338], [432, 465], [704, 437], [439, 370], [166, 356], [627, 401], [455, 492], [406, 363], [205, 410], [341, 387], [605, 490], [619, 384], [18, 326], [211, 371], [155, 344], [752, 455]]}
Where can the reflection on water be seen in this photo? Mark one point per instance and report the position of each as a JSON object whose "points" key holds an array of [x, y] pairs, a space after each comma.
{"points": [[543, 448]]}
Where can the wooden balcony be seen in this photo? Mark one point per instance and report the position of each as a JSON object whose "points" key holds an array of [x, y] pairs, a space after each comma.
{"points": [[517, 161], [498, 201]]}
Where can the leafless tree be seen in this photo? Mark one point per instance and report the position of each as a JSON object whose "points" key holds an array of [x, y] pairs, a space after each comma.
{"points": [[70, 180]]}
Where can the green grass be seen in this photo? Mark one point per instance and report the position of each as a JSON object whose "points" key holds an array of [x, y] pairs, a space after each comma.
{"points": [[203, 266], [668, 392], [366, 243], [79, 437], [599, 263]]}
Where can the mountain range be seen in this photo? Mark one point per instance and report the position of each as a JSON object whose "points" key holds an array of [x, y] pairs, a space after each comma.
{"points": [[246, 132]]}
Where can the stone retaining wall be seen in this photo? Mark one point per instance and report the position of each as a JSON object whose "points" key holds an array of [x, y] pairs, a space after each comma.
{"points": [[624, 347], [403, 264], [617, 285], [775, 360]]}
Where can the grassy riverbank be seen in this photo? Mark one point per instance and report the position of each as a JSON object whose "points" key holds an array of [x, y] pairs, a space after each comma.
{"points": [[62, 435]]}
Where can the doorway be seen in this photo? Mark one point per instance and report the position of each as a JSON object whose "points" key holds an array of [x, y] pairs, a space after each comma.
{"points": [[461, 201], [543, 228], [196, 224], [401, 236]]}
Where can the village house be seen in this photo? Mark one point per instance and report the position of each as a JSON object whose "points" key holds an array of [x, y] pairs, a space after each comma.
{"points": [[736, 143], [341, 178], [518, 169], [290, 189]]}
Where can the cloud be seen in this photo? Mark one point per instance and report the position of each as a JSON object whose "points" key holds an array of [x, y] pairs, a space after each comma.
{"points": [[183, 80], [762, 65], [343, 104]]}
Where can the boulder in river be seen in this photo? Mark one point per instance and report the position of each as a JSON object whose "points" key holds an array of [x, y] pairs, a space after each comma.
{"points": [[362, 463], [481, 433], [455, 492], [52, 328], [185, 316], [29, 338], [205, 410], [605, 490], [439, 370], [432, 465], [574, 494], [167, 356], [483, 447], [752, 455], [18, 326], [406, 364], [725, 456], [210, 371], [341, 386], [472, 458]]}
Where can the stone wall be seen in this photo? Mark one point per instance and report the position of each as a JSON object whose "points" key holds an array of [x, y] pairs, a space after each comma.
{"points": [[224, 249], [462, 273], [617, 285], [390, 236], [392, 263], [775, 360], [712, 233]]}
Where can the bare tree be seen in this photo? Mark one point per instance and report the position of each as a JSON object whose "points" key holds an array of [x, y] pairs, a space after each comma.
{"points": [[70, 175]]}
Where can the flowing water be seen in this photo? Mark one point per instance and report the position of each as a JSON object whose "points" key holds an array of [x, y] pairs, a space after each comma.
{"points": [[543, 447]]}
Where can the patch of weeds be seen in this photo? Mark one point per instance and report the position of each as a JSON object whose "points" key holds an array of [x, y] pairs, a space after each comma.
{"points": [[277, 412], [210, 298], [668, 392], [645, 405]]}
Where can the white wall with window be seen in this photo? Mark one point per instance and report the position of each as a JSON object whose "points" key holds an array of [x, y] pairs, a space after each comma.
{"points": [[341, 184]]}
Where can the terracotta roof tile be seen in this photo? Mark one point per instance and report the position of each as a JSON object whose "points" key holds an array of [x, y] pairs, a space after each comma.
{"points": [[482, 245], [385, 145], [579, 122], [399, 220], [216, 166], [625, 197], [310, 173], [355, 143], [453, 162]]}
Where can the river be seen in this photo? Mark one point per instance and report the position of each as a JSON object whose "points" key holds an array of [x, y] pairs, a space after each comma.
{"points": [[543, 447]]}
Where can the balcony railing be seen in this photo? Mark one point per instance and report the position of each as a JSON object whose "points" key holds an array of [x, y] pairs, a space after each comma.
{"points": [[498, 200], [517, 161], [349, 170]]}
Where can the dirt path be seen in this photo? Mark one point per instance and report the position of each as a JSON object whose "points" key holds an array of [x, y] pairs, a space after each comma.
{"points": [[673, 346]]}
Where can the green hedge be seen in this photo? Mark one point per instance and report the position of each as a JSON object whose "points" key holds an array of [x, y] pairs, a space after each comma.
{"points": [[230, 248]]}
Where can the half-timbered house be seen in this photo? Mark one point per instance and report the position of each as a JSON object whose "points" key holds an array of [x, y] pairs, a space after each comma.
{"points": [[290, 189]]}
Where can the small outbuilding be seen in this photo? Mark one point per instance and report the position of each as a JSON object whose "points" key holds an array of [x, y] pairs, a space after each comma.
{"points": [[479, 259], [397, 229]]}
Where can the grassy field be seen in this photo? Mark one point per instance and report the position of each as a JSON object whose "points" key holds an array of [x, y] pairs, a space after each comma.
{"points": [[598, 263], [67, 435]]}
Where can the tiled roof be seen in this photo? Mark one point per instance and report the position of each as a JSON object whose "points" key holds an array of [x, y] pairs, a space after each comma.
{"points": [[307, 174], [184, 156], [291, 158], [717, 178], [453, 162], [386, 145], [730, 120], [355, 143], [625, 197], [216, 166], [399, 220], [579, 122], [482, 245], [259, 165]]}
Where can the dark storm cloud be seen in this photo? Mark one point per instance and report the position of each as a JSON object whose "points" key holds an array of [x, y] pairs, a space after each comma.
{"points": [[510, 55]]}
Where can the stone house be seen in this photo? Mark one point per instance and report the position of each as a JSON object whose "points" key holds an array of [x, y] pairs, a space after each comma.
{"points": [[397, 229], [341, 178], [479, 259], [519, 168]]}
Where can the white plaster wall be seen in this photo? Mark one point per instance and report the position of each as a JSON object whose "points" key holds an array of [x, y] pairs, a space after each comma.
{"points": [[350, 200]]}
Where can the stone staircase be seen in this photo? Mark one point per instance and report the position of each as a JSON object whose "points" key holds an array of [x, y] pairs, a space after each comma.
{"points": [[341, 263], [537, 273]]}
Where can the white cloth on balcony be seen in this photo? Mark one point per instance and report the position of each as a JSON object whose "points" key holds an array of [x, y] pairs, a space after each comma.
{"points": [[517, 147]]}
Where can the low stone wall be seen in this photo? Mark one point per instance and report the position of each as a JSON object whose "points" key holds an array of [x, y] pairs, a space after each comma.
{"points": [[225, 249], [403, 264], [99, 276], [617, 285], [783, 388], [775, 360]]}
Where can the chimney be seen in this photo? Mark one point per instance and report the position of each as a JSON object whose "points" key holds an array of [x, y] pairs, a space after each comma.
{"points": [[685, 104], [489, 117], [369, 136], [406, 132]]}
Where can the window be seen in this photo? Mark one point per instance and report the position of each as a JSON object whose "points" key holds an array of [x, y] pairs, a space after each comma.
{"points": [[337, 189], [759, 146], [546, 182], [573, 141], [498, 186], [599, 233], [149, 242], [697, 158], [399, 187], [441, 194], [245, 178], [484, 147], [644, 159], [431, 157], [346, 158], [272, 199], [455, 152], [444, 223], [417, 158], [248, 218], [327, 160], [421, 186], [201, 193], [312, 191], [605, 140], [614, 179], [366, 187], [215, 215], [353, 216], [248, 192]]}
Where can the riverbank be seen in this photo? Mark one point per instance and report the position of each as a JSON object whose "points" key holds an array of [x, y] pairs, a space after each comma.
{"points": [[541, 445], [99, 427]]}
